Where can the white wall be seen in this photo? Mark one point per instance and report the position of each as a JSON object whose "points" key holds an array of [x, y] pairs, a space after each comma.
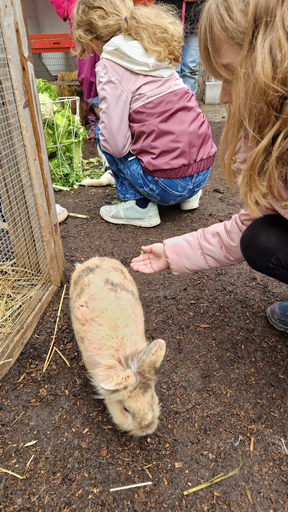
{"points": [[42, 19], [31, 15]]}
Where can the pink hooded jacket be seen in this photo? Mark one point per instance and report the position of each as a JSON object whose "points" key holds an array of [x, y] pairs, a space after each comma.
{"points": [[146, 108], [64, 9], [219, 245], [86, 67]]}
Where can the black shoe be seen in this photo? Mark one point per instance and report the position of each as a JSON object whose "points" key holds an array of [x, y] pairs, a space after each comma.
{"points": [[278, 315]]}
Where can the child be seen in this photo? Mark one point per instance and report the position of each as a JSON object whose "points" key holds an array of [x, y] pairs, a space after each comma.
{"points": [[156, 139], [86, 67], [190, 60], [245, 45]]}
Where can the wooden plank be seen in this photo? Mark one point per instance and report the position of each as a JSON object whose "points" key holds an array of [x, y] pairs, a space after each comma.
{"points": [[18, 342]]}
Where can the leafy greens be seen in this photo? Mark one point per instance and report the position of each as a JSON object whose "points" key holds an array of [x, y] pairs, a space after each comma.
{"points": [[64, 136]]}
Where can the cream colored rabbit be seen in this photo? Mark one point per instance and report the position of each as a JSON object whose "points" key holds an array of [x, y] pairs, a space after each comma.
{"points": [[108, 322]]}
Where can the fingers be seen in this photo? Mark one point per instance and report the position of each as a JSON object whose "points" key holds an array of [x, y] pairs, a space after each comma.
{"points": [[144, 267], [141, 258], [147, 248]]}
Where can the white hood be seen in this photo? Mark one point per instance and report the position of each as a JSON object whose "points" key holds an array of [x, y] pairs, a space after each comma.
{"points": [[130, 54]]}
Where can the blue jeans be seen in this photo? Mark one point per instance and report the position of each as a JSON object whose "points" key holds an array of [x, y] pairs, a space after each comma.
{"points": [[132, 182], [189, 67]]}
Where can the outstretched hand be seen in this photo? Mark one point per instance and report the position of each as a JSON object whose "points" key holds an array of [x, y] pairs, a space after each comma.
{"points": [[154, 260]]}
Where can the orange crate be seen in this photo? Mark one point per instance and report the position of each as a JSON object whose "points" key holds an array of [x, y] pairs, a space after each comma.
{"points": [[51, 43]]}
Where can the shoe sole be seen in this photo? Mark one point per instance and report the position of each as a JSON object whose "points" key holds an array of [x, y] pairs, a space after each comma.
{"points": [[63, 216], [277, 326], [186, 207], [133, 222]]}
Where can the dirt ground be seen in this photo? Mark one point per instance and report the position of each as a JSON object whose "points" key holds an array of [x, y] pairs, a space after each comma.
{"points": [[222, 385]]}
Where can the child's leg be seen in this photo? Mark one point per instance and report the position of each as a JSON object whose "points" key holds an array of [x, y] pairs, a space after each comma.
{"points": [[264, 246], [87, 78], [122, 168], [143, 192], [190, 62], [133, 183]]}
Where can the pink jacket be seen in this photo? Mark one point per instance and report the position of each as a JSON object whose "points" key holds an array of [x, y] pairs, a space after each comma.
{"points": [[146, 108], [64, 9], [86, 67], [218, 245]]}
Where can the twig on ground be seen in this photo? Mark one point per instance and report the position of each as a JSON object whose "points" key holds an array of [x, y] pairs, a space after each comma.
{"points": [[49, 355], [129, 486], [251, 446], [214, 480], [29, 462], [61, 355], [2, 470], [284, 445], [17, 419], [78, 216]]}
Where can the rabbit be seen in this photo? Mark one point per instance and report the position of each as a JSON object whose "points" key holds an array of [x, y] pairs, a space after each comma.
{"points": [[108, 323]]}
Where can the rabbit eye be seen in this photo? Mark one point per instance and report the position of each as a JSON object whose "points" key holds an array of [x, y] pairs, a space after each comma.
{"points": [[125, 409]]}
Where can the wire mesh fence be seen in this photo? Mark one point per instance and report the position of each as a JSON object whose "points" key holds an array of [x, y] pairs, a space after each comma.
{"points": [[24, 276], [49, 65]]}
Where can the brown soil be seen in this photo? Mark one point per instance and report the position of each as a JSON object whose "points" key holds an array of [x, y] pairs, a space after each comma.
{"points": [[222, 385]]}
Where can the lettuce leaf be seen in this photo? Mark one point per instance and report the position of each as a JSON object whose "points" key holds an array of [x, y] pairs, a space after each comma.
{"points": [[64, 135]]}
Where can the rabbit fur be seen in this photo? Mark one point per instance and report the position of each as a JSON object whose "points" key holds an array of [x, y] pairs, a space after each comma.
{"points": [[108, 323]]}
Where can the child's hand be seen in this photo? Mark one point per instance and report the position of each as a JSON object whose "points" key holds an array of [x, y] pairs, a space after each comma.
{"points": [[154, 260]]}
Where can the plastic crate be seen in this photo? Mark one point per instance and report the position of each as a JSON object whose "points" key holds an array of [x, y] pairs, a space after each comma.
{"points": [[51, 43], [51, 54]]}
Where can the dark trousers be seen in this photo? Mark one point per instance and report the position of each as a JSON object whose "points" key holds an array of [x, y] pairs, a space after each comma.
{"points": [[264, 245]]}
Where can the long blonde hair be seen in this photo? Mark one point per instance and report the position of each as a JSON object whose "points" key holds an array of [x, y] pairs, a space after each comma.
{"points": [[157, 27], [259, 29]]}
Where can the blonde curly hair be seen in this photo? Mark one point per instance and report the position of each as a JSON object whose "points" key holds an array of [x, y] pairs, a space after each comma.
{"points": [[259, 29], [157, 27]]}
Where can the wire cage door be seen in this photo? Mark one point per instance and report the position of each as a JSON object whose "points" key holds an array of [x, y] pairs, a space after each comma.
{"points": [[31, 256]]}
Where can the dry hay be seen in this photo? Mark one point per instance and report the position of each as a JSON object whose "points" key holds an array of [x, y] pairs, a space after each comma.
{"points": [[66, 89], [18, 287]]}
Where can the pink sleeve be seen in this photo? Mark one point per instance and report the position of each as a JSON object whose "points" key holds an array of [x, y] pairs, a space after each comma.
{"points": [[215, 246], [61, 7], [114, 103]]}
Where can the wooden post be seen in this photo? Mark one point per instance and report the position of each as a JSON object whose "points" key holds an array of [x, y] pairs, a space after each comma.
{"points": [[202, 77]]}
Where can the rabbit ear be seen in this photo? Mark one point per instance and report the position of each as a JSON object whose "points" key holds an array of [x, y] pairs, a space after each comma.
{"points": [[120, 380], [154, 355]]}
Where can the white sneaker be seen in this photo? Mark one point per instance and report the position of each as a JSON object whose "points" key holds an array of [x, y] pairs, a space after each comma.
{"points": [[129, 213], [192, 203]]}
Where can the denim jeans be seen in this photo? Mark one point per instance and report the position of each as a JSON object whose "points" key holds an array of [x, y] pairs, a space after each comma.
{"points": [[132, 182], [188, 69]]}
